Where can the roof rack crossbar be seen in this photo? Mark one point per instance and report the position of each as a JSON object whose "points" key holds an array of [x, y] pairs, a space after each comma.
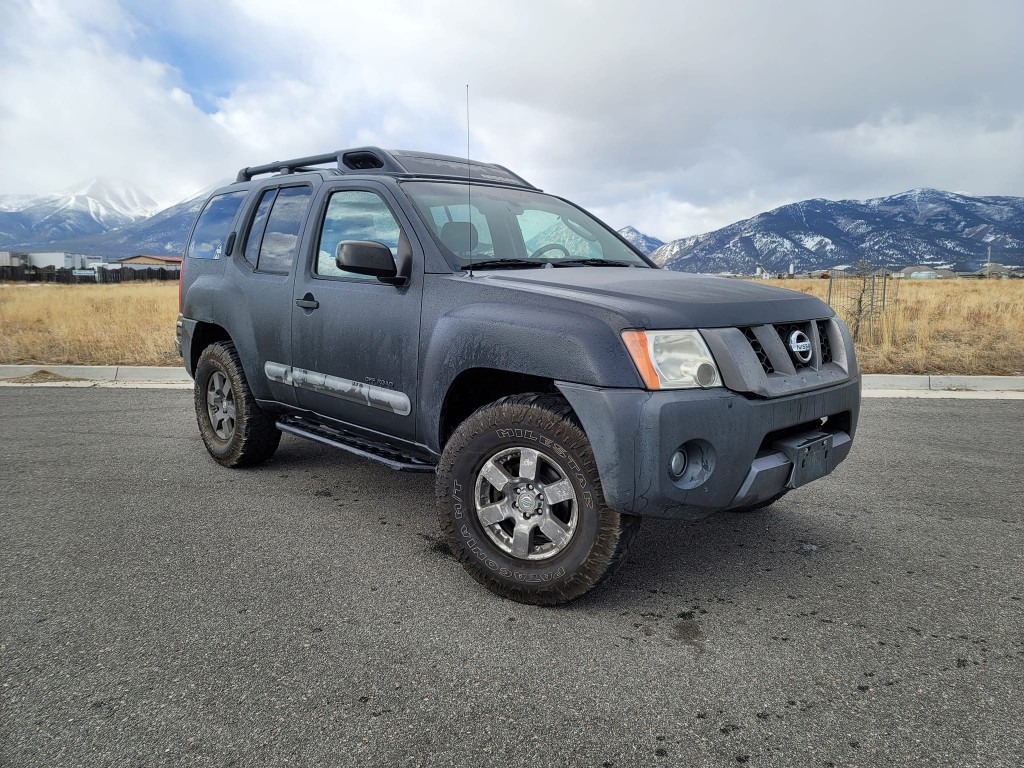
{"points": [[288, 166], [394, 163], [344, 160]]}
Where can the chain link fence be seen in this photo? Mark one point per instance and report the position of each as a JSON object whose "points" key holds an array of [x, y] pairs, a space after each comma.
{"points": [[864, 298]]}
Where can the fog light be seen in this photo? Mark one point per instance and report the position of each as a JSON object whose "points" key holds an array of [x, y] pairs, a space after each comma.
{"points": [[677, 464], [692, 464]]}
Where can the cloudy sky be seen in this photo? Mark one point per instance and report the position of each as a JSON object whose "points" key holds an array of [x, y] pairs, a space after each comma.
{"points": [[676, 117]]}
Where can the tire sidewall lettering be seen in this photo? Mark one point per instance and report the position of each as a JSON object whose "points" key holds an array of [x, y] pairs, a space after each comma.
{"points": [[528, 434], [476, 550], [545, 422], [473, 541], [457, 503]]}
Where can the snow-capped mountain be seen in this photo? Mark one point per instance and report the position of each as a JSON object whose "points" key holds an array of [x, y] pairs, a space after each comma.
{"points": [[644, 243], [89, 208], [164, 233], [922, 226]]}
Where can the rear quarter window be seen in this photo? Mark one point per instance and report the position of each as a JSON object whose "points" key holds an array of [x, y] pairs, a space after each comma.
{"points": [[280, 237], [213, 225]]}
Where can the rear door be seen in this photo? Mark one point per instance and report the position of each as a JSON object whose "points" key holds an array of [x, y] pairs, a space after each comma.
{"points": [[355, 340], [268, 253]]}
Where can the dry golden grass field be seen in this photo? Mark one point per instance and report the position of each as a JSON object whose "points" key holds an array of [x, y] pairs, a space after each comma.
{"points": [[965, 327], [930, 326], [115, 324]]}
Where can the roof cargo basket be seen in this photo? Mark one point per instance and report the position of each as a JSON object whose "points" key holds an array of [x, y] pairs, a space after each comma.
{"points": [[392, 163]]}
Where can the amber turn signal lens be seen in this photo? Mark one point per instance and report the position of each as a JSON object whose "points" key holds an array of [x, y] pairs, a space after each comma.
{"points": [[636, 344]]}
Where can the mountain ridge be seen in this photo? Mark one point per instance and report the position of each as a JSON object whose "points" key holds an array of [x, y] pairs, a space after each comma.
{"points": [[919, 226], [91, 207], [645, 243]]}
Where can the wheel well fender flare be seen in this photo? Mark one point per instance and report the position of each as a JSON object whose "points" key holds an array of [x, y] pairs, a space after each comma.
{"points": [[541, 343]]}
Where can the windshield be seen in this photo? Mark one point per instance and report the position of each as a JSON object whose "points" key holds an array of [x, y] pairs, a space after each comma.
{"points": [[501, 227]]}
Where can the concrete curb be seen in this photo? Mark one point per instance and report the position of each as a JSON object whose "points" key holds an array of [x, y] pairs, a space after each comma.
{"points": [[120, 373], [941, 394], [174, 376], [940, 383]]}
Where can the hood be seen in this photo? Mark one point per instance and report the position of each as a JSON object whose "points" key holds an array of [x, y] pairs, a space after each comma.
{"points": [[660, 298]]}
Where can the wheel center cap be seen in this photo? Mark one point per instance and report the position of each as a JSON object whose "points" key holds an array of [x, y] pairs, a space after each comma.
{"points": [[527, 502]]}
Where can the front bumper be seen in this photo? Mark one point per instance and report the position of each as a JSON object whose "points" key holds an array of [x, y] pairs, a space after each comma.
{"points": [[739, 450]]}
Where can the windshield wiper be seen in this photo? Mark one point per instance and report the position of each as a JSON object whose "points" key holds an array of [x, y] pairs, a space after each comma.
{"points": [[590, 263], [506, 263]]}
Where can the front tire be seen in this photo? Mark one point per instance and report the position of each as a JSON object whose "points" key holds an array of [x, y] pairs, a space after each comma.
{"points": [[520, 502], [235, 430]]}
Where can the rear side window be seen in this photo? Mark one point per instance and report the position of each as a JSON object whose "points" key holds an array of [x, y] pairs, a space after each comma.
{"points": [[259, 224], [213, 225], [280, 235]]}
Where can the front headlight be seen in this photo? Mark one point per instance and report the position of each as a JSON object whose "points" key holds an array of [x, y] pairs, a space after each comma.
{"points": [[672, 359]]}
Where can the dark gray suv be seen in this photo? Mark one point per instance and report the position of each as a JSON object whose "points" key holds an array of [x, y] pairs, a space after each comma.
{"points": [[438, 314]]}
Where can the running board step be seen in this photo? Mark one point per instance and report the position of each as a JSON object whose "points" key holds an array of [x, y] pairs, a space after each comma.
{"points": [[346, 441]]}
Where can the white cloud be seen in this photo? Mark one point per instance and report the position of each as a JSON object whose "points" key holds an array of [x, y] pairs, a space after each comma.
{"points": [[676, 117]]}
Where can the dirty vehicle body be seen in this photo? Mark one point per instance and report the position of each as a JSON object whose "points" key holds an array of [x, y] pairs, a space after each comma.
{"points": [[441, 315]]}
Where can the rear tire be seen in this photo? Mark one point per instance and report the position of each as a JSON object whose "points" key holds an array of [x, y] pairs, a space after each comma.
{"points": [[235, 430], [521, 506]]}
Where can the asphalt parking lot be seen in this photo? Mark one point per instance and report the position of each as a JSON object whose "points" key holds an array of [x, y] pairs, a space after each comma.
{"points": [[157, 609]]}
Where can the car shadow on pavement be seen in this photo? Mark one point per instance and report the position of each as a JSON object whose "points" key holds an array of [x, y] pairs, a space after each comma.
{"points": [[776, 550]]}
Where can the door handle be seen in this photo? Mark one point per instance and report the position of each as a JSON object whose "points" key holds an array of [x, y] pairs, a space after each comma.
{"points": [[307, 302]]}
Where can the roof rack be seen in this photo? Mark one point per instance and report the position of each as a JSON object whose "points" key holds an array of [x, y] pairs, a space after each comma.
{"points": [[392, 163]]}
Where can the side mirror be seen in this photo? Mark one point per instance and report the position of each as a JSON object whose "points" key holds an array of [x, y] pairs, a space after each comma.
{"points": [[366, 257]]}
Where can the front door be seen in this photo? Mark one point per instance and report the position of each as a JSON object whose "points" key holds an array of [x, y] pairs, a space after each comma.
{"points": [[355, 340]]}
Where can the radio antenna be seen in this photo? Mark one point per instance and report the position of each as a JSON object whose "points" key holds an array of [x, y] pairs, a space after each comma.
{"points": [[469, 191]]}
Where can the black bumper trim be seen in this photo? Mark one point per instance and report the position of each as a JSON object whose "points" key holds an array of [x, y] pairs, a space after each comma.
{"points": [[635, 432]]}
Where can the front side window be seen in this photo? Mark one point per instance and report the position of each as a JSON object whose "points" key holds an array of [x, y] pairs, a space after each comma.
{"points": [[514, 227], [354, 215], [280, 239], [213, 225]]}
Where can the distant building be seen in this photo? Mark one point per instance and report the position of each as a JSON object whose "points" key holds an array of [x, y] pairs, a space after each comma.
{"points": [[42, 259], [13, 259], [999, 271], [142, 261], [924, 272]]}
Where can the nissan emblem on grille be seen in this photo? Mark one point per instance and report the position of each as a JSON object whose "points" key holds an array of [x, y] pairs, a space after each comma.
{"points": [[800, 346]]}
